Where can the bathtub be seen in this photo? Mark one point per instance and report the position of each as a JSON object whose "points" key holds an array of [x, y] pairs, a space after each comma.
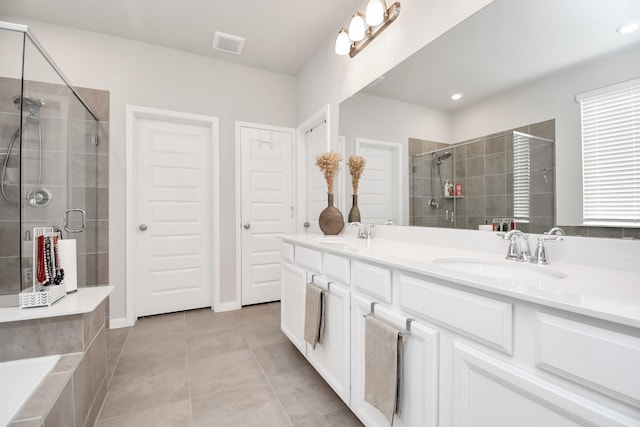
{"points": [[18, 380]]}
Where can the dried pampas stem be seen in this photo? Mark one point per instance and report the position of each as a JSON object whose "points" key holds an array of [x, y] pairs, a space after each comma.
{"points": [[356, 167], [328, 164]]}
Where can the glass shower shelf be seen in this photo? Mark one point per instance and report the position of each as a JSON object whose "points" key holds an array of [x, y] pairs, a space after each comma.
{"points": [[454, 197]]}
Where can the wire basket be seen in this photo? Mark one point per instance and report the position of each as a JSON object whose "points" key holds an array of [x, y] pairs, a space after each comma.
{"points": [[43, 298]]}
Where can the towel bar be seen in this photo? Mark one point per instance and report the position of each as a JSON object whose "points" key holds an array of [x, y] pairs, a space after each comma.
{"points": [[407, 324], [313, 278]]}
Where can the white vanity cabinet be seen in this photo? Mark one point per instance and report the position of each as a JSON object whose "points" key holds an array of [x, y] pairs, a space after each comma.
{"points": [[293, 282], [331, 356], [420, 369], [473, 357]]}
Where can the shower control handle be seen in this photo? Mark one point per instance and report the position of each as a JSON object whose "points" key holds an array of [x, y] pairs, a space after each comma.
{"points": [[247, 226], [143, 227], [83, 217]]}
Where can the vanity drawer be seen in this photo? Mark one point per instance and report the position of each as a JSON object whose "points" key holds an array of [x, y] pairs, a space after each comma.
{"points": [[373, 280], [337, 268], [309, 258], [595, 357], [480, 318], [287, 251]]}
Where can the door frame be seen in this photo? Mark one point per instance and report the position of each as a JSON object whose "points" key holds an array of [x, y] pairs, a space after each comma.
{"points": [[300, 166], [133, 113], [238, 191], [400, 161]]}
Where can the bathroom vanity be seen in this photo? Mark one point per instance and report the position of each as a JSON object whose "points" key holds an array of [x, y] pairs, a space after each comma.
{"points": [[491, 342]]}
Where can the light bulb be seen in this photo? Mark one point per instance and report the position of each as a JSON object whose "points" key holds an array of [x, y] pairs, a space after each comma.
{"points": [[343, 44], [357, 27], [375, 12], [456, 96]]}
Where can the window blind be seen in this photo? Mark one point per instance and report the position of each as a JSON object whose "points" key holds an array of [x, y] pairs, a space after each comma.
{"points": [[521, 177], [611, 155]]}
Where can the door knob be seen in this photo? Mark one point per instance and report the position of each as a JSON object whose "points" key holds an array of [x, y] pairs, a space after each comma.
{"points": [[143, 227], [247, 226]]}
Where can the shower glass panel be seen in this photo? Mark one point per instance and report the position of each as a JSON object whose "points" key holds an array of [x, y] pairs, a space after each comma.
{"points": [[49, 142]]}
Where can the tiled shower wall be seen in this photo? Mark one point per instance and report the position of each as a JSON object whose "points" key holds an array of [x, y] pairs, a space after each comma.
{"points": [[485, 171], [75, 171]]}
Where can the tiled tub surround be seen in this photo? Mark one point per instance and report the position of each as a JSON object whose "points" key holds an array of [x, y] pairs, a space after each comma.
{"points": [[74, 170], [73, 392], [485, 170]]}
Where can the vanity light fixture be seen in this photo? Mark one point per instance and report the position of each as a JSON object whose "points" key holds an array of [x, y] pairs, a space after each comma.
{"points": [[457, 96], [628, 28], [363, 29]]}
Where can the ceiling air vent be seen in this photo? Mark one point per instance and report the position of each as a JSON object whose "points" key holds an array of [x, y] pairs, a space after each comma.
{"points": [[228, 43]]}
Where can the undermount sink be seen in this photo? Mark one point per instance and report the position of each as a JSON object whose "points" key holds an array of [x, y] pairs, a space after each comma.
{"points": [[509, 270]]}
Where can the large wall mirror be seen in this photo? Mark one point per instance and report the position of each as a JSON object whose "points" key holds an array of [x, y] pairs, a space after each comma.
{"points": [[512, 143]]}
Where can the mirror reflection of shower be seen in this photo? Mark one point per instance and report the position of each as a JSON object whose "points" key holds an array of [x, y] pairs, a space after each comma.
{"points": [[438, 158], [36, 196]]}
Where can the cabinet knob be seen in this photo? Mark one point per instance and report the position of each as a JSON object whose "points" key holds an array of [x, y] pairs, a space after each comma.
{"points": [[247, 226], [142, 227]]}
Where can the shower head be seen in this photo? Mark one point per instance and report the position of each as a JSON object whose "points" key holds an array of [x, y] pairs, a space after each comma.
{"points": [[30, 105], [439, 158]]}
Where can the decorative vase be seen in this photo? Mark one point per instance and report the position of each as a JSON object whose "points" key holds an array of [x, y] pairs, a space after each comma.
{"points": [[331, 221], [354, 213]]}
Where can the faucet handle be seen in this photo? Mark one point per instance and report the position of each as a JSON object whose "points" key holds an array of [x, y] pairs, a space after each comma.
{"points": [[540, 255]]}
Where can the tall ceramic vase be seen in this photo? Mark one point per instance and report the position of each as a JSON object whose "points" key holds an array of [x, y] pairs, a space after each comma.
{"points": [[354, 213], [331, 220]]}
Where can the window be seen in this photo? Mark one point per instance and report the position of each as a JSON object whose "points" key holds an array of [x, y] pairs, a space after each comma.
{"points": [[611, 155], [521, 177]]}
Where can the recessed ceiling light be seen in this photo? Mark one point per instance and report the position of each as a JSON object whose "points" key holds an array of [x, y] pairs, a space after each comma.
{"points": [[628, 28], [456, 96]]}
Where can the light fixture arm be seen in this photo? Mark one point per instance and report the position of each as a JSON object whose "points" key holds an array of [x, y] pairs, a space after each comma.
{"points": [[390, 15]]}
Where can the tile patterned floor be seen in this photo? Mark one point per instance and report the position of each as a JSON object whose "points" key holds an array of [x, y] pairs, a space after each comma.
{"points": [[200, 368]]}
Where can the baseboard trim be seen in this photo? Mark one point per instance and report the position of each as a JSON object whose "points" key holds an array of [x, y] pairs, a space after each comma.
{"points": [[227, 306], [118, 323]]}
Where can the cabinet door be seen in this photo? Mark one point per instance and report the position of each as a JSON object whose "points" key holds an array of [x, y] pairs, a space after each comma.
{"points": [[493, 393], [292, 304], [420, 370], [331, 356]]}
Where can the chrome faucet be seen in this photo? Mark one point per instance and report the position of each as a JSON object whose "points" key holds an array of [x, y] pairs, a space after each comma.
{"points": [[365, 231], [518, 246]]}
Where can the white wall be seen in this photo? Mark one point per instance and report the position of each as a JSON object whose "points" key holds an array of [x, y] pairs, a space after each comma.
{"points": [[147, 75], [329, 79], [552, 97], [374, 117]]}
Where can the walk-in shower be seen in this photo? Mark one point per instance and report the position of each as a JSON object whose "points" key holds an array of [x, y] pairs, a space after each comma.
{"points": [[504, 176], [50, 160]]}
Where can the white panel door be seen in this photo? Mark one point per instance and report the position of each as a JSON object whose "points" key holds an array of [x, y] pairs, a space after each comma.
{"points": [[267, 209], [380, 193], [173, 215]]}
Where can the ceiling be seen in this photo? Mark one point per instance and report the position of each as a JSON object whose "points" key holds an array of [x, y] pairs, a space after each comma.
{"points": [[508, 43], [281, 35]]}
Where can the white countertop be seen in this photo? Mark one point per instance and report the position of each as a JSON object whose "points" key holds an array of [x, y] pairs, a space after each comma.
{"points": [[85, 300], [607, 294]]}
